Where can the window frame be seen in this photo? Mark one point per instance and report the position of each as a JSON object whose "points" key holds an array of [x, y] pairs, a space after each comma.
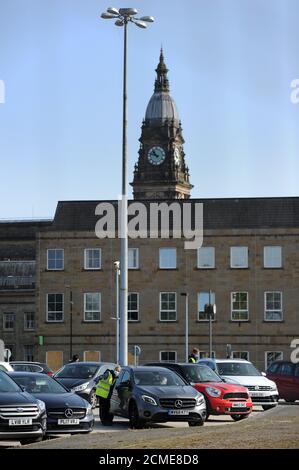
{"points": [[130, 320], [57, 311], [231, 257], [169, 311], [13, 315], [264, 257], [87, 268], [272, 310], [24, 352], [136, 250], [93, 311], [239, 310], [274, 360], [240, 352], [213, 301], [25, 321], [213, 266], [55, 269], [168, 352], [169, 248]]}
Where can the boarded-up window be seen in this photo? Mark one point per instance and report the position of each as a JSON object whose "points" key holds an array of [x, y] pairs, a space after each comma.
{"points": [[93, 356], [54, 359]]}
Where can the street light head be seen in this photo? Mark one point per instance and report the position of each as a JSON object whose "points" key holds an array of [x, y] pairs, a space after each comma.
{"points": [[148, 19], [108, 16], [113, 11], [140, 24], [119, 22], [128, 11]]}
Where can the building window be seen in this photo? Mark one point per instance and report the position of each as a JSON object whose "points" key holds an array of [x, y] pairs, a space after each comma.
{"points": [[29, 321], [203, 298], [133, 258], [168, 306], [272, 356], [206, 354], [272, 257], [55, 307], [239, 306], [92, 306], [55, 259], [241, 355], [133, 306], [206, 257], [92, 258], [239, 257], [168, 356], [167, 258], [29, 353], [273, 306], [9, 321]]}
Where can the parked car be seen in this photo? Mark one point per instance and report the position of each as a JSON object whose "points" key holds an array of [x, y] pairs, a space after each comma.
{"points": [[26, 366], [262, 390], [66, 411], [286, 376], [5, 366], [154, 394], [22, 417], [82, 377], [221, 398]]}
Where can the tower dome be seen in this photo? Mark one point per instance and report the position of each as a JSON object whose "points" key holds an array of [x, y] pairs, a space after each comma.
{"points": [[161, 106]]}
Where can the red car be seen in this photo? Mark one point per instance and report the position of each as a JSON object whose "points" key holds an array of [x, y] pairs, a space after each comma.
{"points": [[286, 376], [222, 398]]}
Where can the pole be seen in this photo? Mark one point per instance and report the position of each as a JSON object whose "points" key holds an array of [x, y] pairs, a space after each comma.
{"points": [[71, 324], [117, 313], [210, 325], [124, 221], [187, 329]]}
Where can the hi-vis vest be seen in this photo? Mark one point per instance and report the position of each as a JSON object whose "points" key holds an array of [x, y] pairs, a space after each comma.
{"points": [[104, 385], [192, 359]]}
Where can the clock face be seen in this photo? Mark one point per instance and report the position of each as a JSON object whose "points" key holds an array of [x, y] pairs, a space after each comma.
{"points": [[177, 156], [156, 155]]}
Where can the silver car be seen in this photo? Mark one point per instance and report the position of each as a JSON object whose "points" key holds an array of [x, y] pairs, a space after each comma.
{"points": [[156, 394]]}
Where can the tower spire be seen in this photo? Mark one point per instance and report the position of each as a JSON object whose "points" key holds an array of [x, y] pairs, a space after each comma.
{"points": [[161, 82]]}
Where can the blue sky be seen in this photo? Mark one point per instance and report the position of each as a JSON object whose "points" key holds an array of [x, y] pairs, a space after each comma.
{"points": [[230, 64]]}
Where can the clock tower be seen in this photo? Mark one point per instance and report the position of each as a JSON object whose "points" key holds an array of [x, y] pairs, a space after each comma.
{"points": [[161, 171]]}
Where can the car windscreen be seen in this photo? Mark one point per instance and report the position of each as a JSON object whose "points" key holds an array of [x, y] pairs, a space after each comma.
{"points": [[36, 384], [77, 371], [197, 374], [7, 385], [237, 368], [157, 378]]}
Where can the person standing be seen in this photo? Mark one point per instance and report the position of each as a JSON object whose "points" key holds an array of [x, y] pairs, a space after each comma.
{"points": [[75, 358], [194, 356], [104, 391]]}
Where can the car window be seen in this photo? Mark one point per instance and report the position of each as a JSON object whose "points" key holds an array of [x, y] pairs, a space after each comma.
{"points": [[7, 385], [237, 368], [36, 368], [21, 368], [77, 371], [157, 378], [297, 370], [126, 376], [286, 368], [35, 384], [273, 368], [195, 373]]}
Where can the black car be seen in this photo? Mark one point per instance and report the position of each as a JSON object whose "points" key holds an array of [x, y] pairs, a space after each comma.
{"points": [[155, 394], [26, 366], [22, 417], [66, 411], [82, 377]]}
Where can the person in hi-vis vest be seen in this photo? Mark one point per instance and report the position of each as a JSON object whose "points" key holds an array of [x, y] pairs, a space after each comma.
{"points": [[104, 391]]}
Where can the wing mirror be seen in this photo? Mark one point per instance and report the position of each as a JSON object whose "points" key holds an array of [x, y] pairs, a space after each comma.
{"points": [[263, 374]]}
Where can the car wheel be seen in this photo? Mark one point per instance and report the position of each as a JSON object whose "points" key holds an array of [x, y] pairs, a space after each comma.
{"points": [[24, 442], [268, 407], [135, 421], [93, 399], [208, 408], [196, 423], [239, 417], [289, 401]]}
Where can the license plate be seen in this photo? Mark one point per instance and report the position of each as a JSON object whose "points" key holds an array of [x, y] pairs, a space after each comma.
{"points": [[69, 421], [20, 422], [256, 394], [178, 412], [239, 405]]}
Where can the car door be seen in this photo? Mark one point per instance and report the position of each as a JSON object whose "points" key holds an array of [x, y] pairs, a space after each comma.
{"points": [[286, 380], [121, 394], [296, 383]]}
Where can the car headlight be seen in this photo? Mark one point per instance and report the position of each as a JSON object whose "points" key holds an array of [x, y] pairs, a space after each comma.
{"points": [[80, 388], [213, 392], [89, 410], [41, 405], [274, 387], [149, 400], [199, 400]]}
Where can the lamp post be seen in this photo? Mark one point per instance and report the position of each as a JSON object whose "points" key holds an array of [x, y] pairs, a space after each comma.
{"points": [[71, 320], [117, 273], [184, 294], [123, 16]]}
